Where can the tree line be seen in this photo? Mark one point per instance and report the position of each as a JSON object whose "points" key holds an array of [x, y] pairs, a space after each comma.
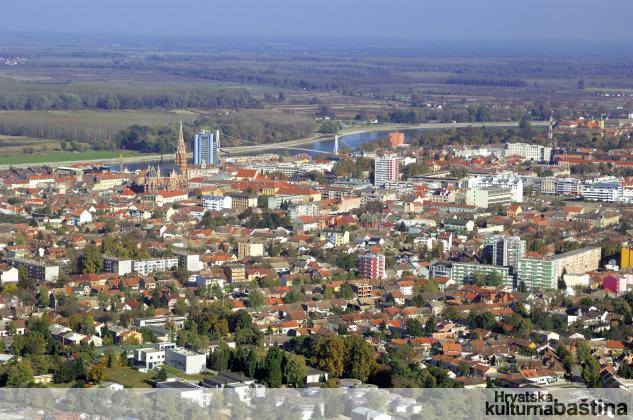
{"points": [[28, 96]]}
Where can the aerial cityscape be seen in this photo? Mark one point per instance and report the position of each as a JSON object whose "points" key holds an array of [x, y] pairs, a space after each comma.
{"points": [[263, 226]]}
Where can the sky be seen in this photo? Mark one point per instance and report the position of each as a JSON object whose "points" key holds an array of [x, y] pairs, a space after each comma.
{"points": [[501, 20]]}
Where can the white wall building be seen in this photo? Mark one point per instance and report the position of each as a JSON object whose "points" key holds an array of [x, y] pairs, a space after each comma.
{"points": [[608, 189], [505, 180], [484, 197], [386, 169], [8, 274], [217, 202], [533, 152], [188, 361]]}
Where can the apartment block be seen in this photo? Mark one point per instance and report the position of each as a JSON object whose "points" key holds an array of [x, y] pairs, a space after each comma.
{"points": [[544, 273], [39, 271], [505, 251], [371, 266], [386, 169], [488, 196], [533, 152], [466, 272]]}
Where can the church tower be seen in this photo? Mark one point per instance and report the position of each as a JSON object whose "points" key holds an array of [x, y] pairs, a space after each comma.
{"points": [[181, 152]]}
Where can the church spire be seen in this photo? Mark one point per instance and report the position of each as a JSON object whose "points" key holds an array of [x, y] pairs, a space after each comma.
{"points": [[181, 152]]}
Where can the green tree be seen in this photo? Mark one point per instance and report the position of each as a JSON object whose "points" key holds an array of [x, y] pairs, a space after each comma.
{"points": [[376, 400], [591, 373], [463, 369], [414, 328], [332, 355], [162, 374], [181, 274], [566, 358], [255, 299], [294, 369], [272, 366], [525, 127], [360, 363], [23, 278], [20, 374], [91, 260], [346, 292], [219, 359]]}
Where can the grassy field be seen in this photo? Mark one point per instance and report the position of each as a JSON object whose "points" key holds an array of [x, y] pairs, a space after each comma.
{"points": [[172, 372], [62, 157], [85, 125], [128, 377]]}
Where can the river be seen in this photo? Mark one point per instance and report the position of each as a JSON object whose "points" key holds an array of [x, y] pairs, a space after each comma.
{"points": [[351, 141]]}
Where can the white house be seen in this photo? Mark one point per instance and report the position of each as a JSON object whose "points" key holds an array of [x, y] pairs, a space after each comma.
{"points": [[80, 217], [364, 413], [314, 376], [8, 274], [149, 358]]}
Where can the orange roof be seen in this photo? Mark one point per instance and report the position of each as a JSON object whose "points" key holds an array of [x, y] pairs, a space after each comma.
{"points": [[167, 194], [615, 344]]}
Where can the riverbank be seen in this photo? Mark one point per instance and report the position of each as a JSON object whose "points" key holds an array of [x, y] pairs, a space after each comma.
{"points": [[371, 128], [42, 160]]}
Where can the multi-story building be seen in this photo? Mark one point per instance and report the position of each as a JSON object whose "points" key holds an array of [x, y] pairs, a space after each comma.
{"points": [[559, 186], [335, 237], [505, 251], [276, 201], [190, 362], [533, 152], [116, 265], [363, 290], [503, 180], [204, 148], [236, 273], [250, 249], [371, 266], [143, 267], [146, 267], [217, 202], [386, 169], [304, 209], [191, 262], [544, 273], [241, 201], [161, 321], [39, 271], [488, 196], [109, 180], [607, 189], [396, 138], [547, 185], [152, 357], [467, 272], [441, 269]]}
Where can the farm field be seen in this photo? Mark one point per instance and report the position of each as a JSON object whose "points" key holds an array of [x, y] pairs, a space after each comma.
{"points": [[62, 157]]}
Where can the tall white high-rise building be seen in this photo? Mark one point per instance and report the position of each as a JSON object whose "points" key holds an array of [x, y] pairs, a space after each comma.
{"points": [[386, 169], [504, 250]]}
